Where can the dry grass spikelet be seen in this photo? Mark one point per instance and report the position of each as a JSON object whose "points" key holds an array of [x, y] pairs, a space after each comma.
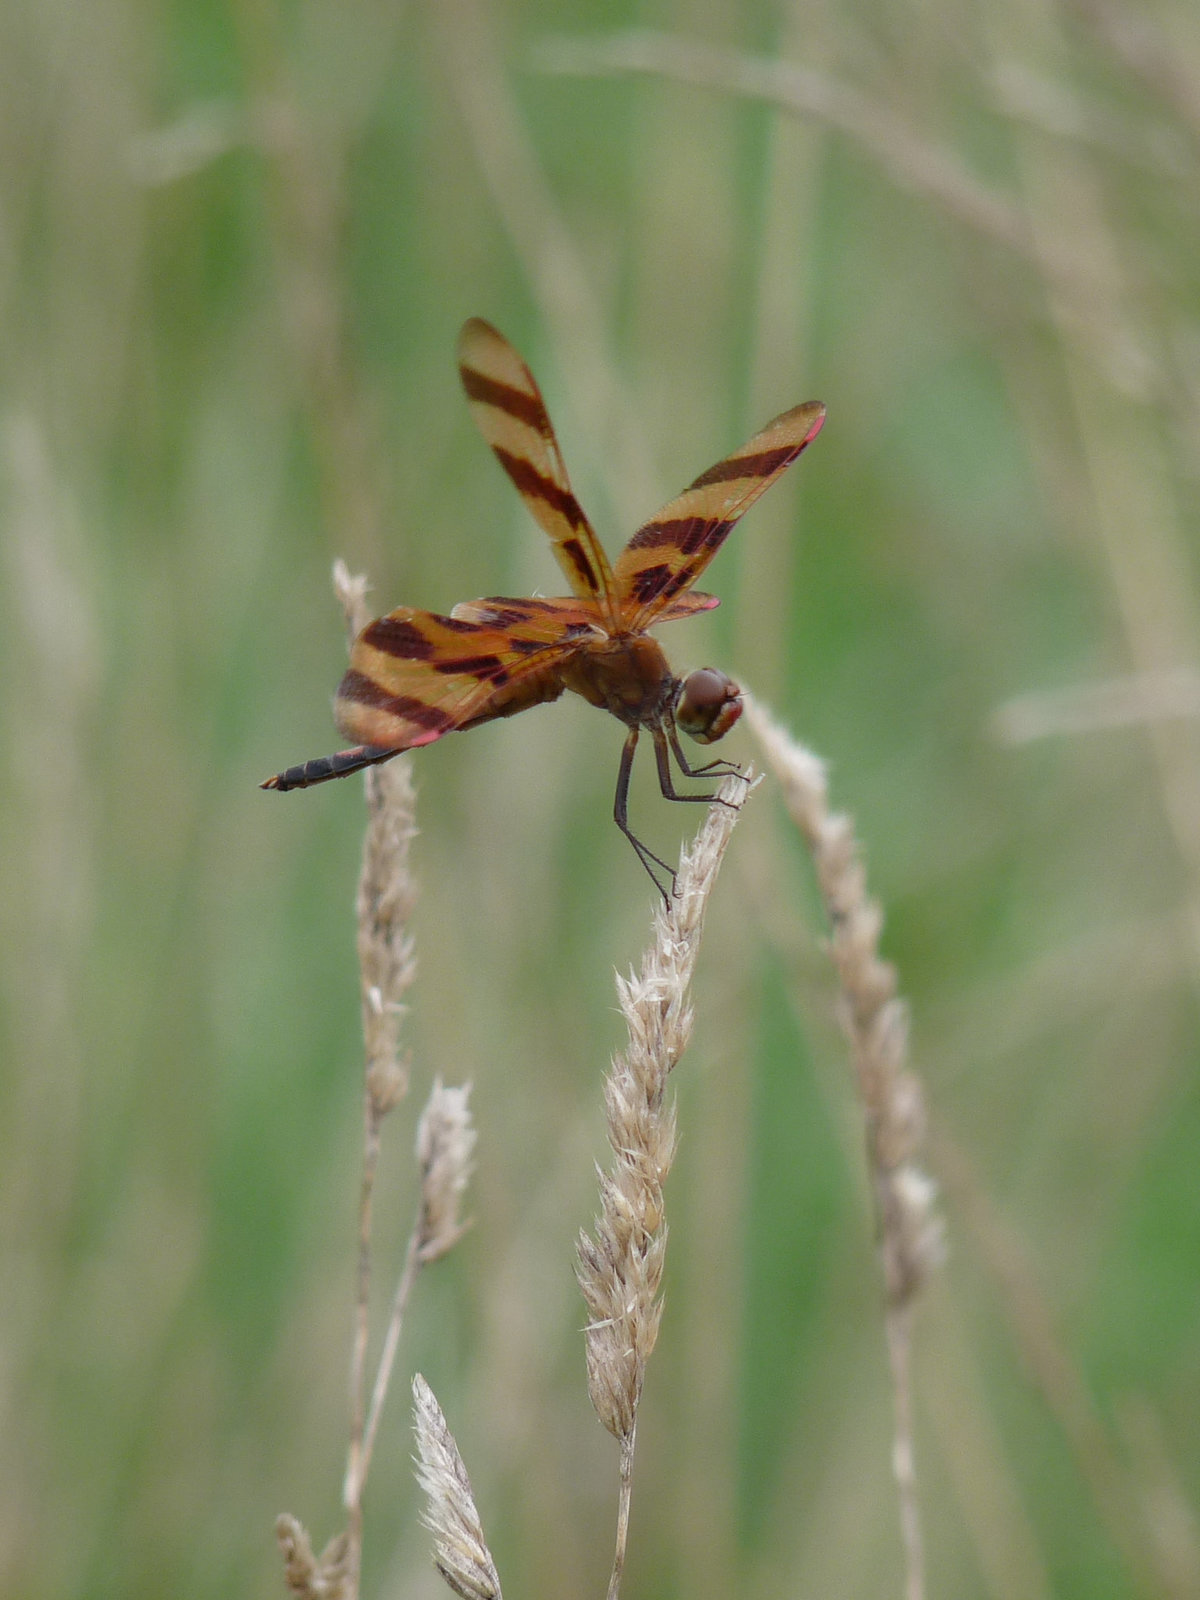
{"points": [[875, 1019], [461, 1554], [351, 590], [876, 1023], [445, 1140], [386, 897], [324, 1577], [621, 1263]]}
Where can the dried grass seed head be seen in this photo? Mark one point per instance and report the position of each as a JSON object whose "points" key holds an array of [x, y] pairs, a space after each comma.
{"points": [[875, 1019], [620, 1264], [461, 1554], [445, 1142], [309, 1577]]}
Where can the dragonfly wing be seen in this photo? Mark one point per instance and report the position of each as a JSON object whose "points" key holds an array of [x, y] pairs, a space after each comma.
{"points": [[509, 411], [667, 554], [415, 676]]}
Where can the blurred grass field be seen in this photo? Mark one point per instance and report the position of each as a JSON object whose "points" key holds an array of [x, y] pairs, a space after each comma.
{"points": [[236, 244]]}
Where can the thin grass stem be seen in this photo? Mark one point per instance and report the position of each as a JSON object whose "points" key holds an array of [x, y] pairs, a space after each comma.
{"points": [[624, 1496], [913, 162], [875, 1022], [355, 1468], [391, 1343]]}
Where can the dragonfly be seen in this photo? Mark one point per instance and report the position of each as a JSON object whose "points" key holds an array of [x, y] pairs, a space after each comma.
{"points": [[415, 676]]}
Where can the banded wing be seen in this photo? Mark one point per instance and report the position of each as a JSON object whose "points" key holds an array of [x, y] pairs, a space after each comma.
{"points": [[686, 604], [510, 413], [668, 553], [415, 675]]}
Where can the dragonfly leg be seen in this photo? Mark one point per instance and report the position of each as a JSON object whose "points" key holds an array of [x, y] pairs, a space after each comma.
{"points": [[711, 769], [621, 816], [665, 782]]}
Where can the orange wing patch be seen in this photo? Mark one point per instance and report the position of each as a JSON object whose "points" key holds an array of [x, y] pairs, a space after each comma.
{"points": [[510, 413], [668, 553], [415, 675]]}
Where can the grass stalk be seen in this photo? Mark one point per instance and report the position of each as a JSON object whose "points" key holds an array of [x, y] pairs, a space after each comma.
{"points": [[621, 1262], [914, 163], [876, 1024], [624, 1500], [386, 895], [445, 1140], [444, 1143]]}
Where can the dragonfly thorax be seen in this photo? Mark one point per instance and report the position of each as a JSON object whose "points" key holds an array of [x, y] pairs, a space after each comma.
{"points": [[627, 675]]}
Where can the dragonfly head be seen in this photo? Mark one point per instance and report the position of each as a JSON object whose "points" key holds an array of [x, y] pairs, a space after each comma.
{"points": [[708, 705]]}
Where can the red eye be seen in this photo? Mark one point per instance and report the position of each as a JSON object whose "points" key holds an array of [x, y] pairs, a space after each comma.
{"points": [[709, 704]]}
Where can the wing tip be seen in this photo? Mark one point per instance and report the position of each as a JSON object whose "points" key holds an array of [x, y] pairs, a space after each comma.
{"points": [[817, 407], [810, 414], [474, 332]]}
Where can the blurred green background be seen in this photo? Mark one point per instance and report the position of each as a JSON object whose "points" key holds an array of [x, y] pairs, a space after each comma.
{"points": [[236, 244]]}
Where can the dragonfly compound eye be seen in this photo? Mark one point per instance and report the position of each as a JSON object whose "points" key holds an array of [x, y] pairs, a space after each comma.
{"points": [[709, 704]]}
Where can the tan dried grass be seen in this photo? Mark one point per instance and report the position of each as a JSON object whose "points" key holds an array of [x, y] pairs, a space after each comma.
{"points": [[621, 1262], [876, 1024], [445, 1141]]}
